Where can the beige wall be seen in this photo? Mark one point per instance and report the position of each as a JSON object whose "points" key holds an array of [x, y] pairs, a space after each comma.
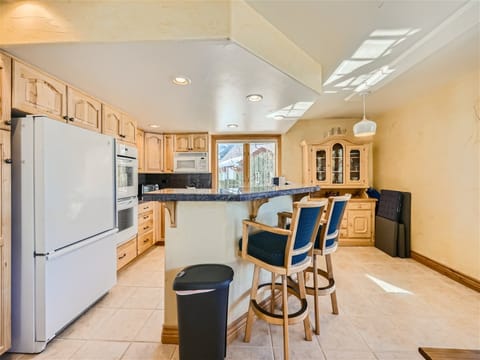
{"points": [[431, 148]]}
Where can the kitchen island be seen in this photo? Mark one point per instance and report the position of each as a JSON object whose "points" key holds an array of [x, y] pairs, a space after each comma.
{"points": [[205, 226]]}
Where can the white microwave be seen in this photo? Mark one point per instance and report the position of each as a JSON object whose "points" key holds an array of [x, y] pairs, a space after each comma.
{"points": [[191, 162]]}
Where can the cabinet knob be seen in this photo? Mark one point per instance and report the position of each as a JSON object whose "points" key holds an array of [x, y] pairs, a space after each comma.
{"points": [[8, 122], [71, 119], [8, 161], [65, 117]]}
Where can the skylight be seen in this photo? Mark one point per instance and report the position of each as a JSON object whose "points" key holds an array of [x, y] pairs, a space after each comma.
{"points": [[380, 44], [371, 49], [292, 111]]}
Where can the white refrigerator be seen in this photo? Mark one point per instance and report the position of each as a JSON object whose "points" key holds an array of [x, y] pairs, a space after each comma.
{"points": [[63, 226]]}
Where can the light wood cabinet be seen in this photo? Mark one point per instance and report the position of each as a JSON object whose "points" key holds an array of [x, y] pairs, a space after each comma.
{"points": [[126, 252], [83, 110], [111, 121], [146, 226], [357, 224], [153, 153], [5, 91], [340, 166], [191, 142], [141, 150], [128, 129], [336, 163], [169, 142], [34, 92], [119, 125], [5, 242]]}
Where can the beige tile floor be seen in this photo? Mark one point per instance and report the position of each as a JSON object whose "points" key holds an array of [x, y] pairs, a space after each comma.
{"points": [[388, 308]]}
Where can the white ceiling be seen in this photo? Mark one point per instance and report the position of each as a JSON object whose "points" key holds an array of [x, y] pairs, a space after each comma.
{"points": [[136, 77]]}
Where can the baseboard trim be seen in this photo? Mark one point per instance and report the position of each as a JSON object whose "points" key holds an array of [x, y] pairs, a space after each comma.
{"points": [[463, 279], [170, 334], [234, 329]]}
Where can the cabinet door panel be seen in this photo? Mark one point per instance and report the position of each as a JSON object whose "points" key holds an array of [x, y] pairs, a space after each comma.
{"points": [[153, 153], [359, 224], [199, 142], [168, 153], [36, 93], [83, 110], [111, 121], [141, 150], [337, 164], [356, 170], [5, 91], [182, 142], [320, 165], [128, 130]]}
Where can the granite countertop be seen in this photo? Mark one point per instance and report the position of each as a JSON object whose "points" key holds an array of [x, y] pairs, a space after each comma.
{"points": [[232, 194]]}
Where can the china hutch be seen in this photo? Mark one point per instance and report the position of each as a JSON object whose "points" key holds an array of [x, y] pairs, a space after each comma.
{"points": [[339, 165]]}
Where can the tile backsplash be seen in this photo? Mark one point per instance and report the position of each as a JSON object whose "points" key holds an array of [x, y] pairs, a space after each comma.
{"points": [[198, 180]]}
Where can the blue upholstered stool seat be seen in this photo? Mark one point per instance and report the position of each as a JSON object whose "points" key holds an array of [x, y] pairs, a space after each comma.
{"points": [[270, 248]]}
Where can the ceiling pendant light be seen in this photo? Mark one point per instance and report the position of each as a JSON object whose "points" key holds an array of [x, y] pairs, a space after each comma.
{"points": [[364, 127]]}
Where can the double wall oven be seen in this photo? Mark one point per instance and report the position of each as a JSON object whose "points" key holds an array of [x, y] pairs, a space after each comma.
{"points": [[127, 189]]}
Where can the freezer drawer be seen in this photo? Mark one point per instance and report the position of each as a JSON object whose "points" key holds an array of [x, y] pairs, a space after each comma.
{"points": [[74, 279]]}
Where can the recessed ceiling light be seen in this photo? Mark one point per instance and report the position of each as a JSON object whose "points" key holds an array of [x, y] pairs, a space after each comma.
{"points": [[279, 117], [232, 126], [254, 97], [154, 126], [181, 80]]}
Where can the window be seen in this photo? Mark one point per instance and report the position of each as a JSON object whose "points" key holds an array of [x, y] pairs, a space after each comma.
{"points": [[245, 161]]}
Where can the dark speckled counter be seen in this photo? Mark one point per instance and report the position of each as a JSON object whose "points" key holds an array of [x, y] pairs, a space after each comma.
{"points": [[234, 194]]}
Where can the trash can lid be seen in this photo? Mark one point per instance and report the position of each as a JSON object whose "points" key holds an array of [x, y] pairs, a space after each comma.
{"points": [[203, 276]]}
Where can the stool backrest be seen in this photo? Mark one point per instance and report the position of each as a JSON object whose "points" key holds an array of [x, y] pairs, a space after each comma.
{"points": [[304, 228], [331, 228]]}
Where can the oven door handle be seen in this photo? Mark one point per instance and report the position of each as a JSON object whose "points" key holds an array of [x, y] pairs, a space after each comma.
{"points": [[128, 203]]}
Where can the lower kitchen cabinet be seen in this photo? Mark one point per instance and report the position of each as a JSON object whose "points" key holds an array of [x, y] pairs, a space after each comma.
{"points": [[357, 226], [126, 252], [146, 226]]}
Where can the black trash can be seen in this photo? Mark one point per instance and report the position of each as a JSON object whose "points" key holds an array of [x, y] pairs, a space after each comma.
{"points": [[202, 307]]}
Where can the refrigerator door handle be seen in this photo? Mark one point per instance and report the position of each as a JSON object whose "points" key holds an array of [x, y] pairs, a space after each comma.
{"points": [[78, 245]]}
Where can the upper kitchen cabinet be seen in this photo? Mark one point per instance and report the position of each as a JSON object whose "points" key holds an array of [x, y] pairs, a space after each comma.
{"points": [[5, 91], [128, 129], [336, 163], [153, 153], [83, 110], [169, 146], [191, 142], [34, 92], [140, 149], [5, 242], [111, 121], [119, 125]]}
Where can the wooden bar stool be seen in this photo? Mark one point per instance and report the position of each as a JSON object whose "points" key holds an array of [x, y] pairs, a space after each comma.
{"points": [[325, 245], [283, 252]]}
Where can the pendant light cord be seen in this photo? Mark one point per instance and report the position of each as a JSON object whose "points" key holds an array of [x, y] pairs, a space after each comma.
{"points": [[364, 116]]}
